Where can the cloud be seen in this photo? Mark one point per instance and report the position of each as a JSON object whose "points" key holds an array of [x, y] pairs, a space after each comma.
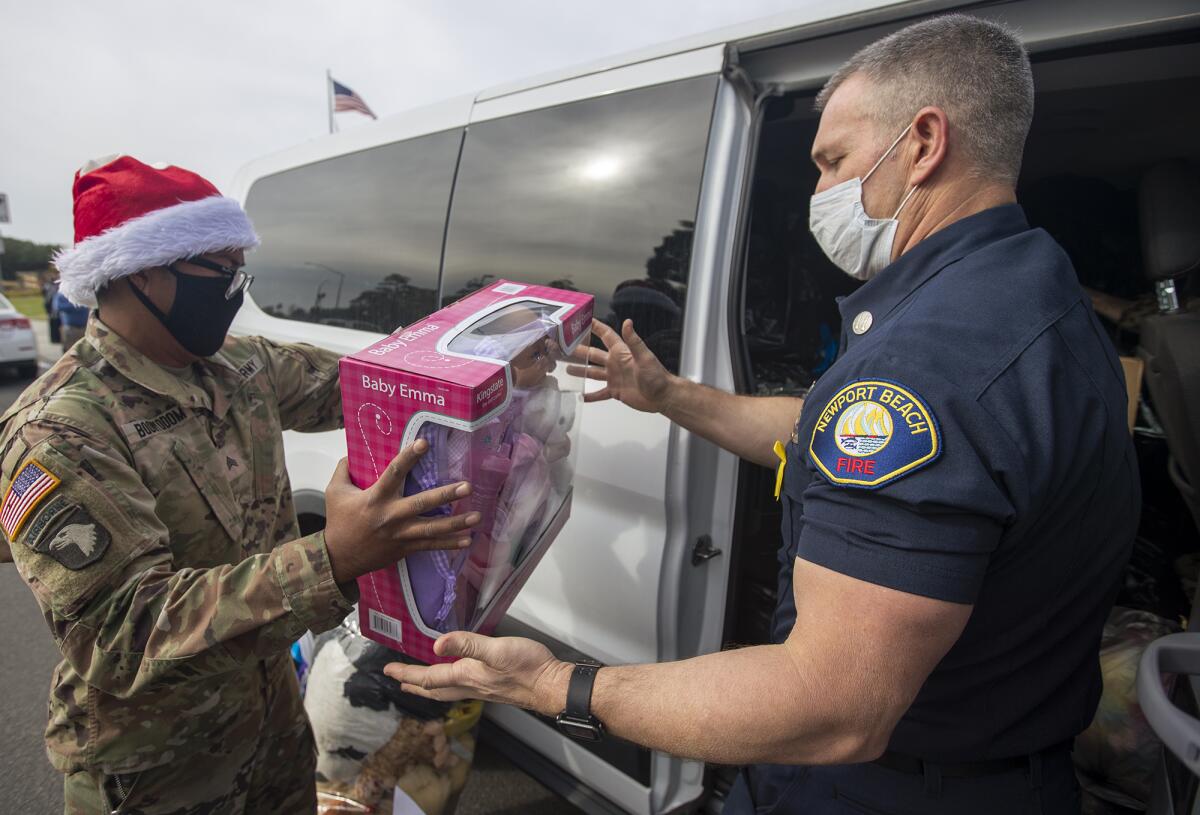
{"points": [[210, 86]]}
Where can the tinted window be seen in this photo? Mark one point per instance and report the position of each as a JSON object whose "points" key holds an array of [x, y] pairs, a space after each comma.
{"points": [[598, 196], [356, 240]]}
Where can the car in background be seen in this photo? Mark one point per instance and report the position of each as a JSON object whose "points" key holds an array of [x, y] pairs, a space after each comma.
{"points": [[18, 346]]}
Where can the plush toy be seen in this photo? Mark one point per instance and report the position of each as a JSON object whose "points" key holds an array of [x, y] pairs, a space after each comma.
{"points": [[372, 738]]}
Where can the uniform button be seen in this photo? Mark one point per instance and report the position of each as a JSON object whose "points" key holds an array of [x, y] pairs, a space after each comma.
{"points": [[862, 323]]}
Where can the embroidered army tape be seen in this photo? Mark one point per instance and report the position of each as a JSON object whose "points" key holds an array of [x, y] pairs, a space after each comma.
{"points": [[872, 432], [250, 367]]}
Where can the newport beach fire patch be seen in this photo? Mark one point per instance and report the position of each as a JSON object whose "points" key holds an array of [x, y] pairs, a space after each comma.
{"points": [[873, 432]]}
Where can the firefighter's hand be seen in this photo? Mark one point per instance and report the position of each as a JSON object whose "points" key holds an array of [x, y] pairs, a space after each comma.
{"points": [[632, 373], [509, 670]]}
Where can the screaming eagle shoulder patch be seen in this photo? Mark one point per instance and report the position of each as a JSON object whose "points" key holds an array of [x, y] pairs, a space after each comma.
{"points": [[872, 432], [76, 539]]}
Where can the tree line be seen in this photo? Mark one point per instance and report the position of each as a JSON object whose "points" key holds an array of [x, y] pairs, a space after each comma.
{"points": [[25, 256]]}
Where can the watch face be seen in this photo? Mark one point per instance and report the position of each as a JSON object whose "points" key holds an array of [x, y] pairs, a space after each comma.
{"points": [[580, 729]]}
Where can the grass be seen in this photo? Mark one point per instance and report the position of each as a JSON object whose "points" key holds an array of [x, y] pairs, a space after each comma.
{"points": [[30, 305]]}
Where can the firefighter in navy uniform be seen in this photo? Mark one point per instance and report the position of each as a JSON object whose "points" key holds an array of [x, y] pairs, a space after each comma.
{"points": [[960, 489]]}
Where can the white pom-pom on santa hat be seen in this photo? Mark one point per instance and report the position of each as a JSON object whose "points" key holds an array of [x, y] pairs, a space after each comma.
{"points": [[131, 216]]}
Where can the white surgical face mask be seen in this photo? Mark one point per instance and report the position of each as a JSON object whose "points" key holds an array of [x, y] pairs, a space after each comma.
{"points": [[859, 245]]}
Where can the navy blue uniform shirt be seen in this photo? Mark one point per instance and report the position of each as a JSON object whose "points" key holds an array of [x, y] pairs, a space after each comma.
{"points": [[971, 445]]}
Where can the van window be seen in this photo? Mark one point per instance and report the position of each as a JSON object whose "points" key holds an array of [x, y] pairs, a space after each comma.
{"points": [[355, 241], [597, 196]]}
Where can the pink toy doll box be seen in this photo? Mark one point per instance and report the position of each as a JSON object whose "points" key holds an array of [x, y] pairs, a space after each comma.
{"points": [[483, 382]]}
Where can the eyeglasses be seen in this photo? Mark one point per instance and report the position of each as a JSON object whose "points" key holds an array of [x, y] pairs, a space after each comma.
{"points": [[239, 279]]}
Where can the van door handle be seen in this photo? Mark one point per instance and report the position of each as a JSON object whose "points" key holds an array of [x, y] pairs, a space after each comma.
{"points": [[704, 550]]}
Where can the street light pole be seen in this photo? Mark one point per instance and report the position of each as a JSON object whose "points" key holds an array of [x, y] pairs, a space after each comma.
{"points": [[341, 279]]}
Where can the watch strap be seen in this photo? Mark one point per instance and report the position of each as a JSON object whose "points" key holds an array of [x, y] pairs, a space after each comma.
{"points": [[579, 691]]}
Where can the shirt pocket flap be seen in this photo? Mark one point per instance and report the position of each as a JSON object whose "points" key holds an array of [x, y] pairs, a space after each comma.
{"points": [[212, 485]]}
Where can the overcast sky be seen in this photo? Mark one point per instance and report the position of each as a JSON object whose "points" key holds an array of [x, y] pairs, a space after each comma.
{"points": [[212, 85]]}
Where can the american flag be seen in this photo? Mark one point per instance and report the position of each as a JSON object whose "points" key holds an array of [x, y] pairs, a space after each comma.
{"points": [[346, 99], [31, 485]]}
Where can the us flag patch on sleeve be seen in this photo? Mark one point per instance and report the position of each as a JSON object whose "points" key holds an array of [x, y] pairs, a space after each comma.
{"points": [[27, 489]]}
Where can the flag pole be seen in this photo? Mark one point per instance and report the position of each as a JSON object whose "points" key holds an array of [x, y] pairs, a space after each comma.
{"points": [[329, 97]]}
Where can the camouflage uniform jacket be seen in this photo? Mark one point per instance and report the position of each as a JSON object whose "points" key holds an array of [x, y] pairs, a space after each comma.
{"points": [[167, 559]]}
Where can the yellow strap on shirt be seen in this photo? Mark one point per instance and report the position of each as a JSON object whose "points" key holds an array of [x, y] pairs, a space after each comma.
{"points": [[462, 717], [780, 451]]}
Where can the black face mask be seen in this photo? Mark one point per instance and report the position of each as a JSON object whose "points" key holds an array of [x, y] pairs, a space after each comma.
{"points": [[200, 317]]}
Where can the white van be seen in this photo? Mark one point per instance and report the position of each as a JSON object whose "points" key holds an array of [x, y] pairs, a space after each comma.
{"points": [[673, 185]]}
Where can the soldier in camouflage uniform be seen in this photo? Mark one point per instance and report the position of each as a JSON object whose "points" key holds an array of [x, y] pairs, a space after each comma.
{"points": [[147, 506]]}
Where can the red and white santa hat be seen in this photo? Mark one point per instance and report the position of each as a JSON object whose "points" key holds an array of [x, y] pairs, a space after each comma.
{"points": [[131, 216]]}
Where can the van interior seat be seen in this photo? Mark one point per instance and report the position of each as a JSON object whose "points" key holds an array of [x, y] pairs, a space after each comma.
{"points": [[1169, 205]]}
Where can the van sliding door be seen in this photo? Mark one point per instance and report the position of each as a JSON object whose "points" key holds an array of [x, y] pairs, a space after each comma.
{"points": [[602, 195]]}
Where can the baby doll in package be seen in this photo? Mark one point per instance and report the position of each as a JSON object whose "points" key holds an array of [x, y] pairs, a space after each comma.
{"points": [[481, 382], [517, 462]]}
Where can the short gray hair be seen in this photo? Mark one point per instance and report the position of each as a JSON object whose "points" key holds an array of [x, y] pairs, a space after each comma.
{"points": [[975, 70]]}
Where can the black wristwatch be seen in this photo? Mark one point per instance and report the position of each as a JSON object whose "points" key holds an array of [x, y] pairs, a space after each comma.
{"points": [[577, 720]]}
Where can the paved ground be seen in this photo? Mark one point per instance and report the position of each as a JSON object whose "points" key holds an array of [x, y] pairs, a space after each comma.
{"points": [[27, 654], [28, 784]]}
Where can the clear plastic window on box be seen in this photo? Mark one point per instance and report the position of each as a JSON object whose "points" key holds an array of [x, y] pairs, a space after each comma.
{"points": [[519, 460]]}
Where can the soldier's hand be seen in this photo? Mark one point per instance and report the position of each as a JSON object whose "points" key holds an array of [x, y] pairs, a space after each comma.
{"points": [[631, 370], [369, 529]]}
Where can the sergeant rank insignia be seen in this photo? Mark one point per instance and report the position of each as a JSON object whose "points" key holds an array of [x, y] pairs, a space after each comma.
{"points": [[873, 432]]}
